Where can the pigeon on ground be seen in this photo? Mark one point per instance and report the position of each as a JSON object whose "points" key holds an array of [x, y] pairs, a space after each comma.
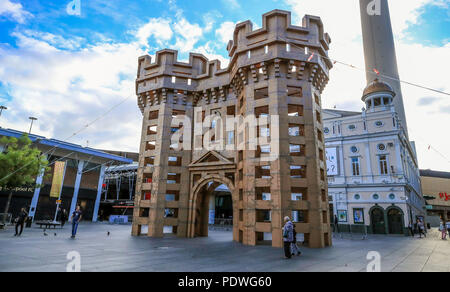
{"points": [[55, 234], [109, 233], [45, 234]]}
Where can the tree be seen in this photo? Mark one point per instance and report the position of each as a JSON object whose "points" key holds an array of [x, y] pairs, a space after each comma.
{"points": [[20, 164]]}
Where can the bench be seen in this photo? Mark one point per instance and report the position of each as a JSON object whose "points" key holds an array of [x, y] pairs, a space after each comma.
{"points": [[48, 224]]}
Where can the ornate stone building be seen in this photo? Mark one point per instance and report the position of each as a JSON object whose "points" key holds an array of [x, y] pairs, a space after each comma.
{"points": [[373, 175], [272, 168]]}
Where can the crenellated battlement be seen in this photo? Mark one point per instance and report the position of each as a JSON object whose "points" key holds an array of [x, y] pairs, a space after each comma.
{"points": [[277, 49], [277, 26]]}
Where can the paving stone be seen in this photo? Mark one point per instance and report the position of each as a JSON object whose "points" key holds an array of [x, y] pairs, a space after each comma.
{"points": [[122, 252]]}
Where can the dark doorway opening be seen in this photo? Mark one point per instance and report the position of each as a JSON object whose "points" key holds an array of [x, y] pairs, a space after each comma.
{"points": [[377, 221], [395, 221]]}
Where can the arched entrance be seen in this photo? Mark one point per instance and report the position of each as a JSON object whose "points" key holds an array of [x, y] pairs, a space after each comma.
{"points": [[377, 220], [395, 220], [200, 204]]}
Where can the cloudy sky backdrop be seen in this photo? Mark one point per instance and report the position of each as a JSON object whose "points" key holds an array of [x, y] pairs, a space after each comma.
{"points": [[69, 69]]}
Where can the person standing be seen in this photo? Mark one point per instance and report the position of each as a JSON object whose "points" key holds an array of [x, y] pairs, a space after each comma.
{"points": [[20, 221], [288, 236], [76, 218], [444, 231], [421, 228]]}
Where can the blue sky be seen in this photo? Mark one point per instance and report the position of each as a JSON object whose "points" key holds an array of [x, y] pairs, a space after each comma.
{"points": [[67, 69]]}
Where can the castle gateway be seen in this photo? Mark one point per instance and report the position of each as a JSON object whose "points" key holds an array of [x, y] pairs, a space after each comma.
{"points": [[255, 127]]}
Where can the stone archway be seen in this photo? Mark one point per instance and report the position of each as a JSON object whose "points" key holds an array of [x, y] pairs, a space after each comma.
{"points": [[377, 220], [197, 205], [395, 220]]}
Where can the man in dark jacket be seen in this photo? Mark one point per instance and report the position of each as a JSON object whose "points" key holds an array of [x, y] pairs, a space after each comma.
{"points": [[20, 221], [76, 218]]}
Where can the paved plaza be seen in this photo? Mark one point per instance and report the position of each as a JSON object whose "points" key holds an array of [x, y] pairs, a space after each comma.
{"points": [[34, 251]]}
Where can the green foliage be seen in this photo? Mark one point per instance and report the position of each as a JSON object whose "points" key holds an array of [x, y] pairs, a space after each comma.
{"points": [[20, 162]]}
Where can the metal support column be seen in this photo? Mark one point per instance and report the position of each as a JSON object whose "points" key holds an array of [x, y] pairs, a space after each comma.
{"points": [[73, 205], [99, 193], [37, 191]]}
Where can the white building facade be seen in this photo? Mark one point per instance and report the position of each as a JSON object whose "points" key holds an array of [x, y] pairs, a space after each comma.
{"points": [[373, 176]]}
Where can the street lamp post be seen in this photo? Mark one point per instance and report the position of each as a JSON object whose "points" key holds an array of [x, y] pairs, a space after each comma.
{"points": [[31, 126], [2, 108]]}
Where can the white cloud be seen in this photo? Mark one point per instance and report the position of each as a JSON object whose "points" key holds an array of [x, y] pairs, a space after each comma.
{"points": [[233, 4], [209, 51], [188, 34], [225, 32], [67, 85], [158, 28], [14, 11], [417, 63], [67, 89]]}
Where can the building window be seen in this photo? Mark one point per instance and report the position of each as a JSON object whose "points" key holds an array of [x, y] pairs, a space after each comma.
{"points": [[288, 47], [392, 197], [297, 150], [265, 148], [376, 197], [189, 82], [326, 130], [174, 79], [298, 171], [352, 127], [355, 166], [377, 102], [354, 149], [249, 54], [266, 196], [296, 130], [264, 132], [381, 147], [357, 197], [383, 165], [230, 137], [379, 124], [266, 49]]}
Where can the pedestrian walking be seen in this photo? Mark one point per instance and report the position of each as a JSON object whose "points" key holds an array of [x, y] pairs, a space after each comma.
{"points": [[76, 218], [20, 220], [294, 247], [444, 231], [421, 228], [288, 236]]}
